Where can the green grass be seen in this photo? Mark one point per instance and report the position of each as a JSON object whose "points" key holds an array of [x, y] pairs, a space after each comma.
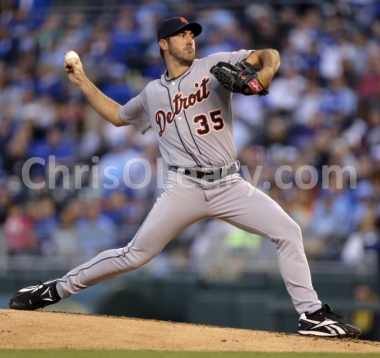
{"points": [[72, 353]]}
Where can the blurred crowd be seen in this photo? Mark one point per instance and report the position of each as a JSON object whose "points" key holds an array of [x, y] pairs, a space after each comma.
{"points": [[323, 110]]}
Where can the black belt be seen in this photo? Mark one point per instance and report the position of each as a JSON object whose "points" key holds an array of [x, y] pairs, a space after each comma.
{"points": [[216, 173]]}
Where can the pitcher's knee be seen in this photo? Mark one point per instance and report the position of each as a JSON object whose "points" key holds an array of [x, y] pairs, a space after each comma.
{"points": [[295, 229], [137, 257], [135, 264], [290, 233]]}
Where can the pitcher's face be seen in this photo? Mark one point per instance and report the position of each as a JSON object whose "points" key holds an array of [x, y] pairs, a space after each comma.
{"points": [[182, 47]]}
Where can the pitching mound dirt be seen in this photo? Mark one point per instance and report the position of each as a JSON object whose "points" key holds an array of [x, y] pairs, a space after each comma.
{"points": [[38, 329]]}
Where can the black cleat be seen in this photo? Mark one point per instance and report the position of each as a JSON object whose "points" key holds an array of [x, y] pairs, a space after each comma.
{"points": [[325, 323], [35, 297]]}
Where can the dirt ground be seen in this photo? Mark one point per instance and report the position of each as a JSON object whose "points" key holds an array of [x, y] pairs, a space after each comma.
{"points": [[38, 329]]}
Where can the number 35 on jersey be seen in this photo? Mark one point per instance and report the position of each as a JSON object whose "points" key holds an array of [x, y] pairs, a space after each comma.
{"points": [[205, 122]]}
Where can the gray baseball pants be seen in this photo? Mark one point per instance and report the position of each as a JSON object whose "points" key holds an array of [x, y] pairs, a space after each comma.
{"points": [[178, 207]]}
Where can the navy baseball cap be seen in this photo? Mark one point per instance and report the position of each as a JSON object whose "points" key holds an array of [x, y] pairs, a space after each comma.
{"points": [[175, 24]]}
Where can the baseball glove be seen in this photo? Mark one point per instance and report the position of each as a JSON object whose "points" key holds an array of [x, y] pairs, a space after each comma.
{"points": [[239, 78]]}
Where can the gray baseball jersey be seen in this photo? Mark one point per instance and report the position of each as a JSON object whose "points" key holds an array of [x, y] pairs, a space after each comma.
{"points": [[191, 116]]}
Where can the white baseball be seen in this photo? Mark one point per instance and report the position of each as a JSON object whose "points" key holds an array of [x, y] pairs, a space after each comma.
{"points": [[71, 55]]}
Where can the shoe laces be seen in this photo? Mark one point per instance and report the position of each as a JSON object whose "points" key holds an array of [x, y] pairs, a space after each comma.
{"points": [[43, 285], [327, 309], [38, 296]]}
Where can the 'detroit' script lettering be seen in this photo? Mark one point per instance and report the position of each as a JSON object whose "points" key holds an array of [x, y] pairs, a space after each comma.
{"points": [[182, 103]]}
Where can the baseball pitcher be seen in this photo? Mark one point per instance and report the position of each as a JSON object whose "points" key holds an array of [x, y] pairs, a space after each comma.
{"points": [[189, 109]]}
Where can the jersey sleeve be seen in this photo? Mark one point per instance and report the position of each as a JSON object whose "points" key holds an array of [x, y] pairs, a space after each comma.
{"points": [[135, 112], [230, 57]]}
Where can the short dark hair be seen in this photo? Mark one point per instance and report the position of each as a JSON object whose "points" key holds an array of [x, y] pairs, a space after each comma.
{"points": [[161, 50]]}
